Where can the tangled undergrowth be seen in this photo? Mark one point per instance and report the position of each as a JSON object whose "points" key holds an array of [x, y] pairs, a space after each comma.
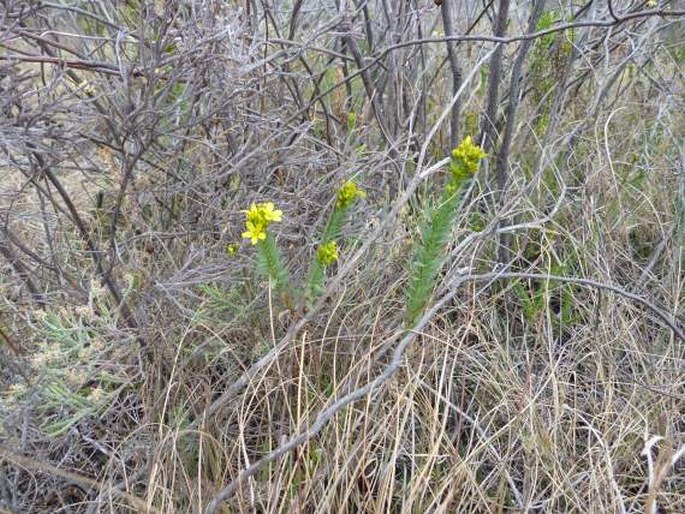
{"points": [[277, 258]]}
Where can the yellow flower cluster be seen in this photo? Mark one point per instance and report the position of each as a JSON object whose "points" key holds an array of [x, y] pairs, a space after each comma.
{"points": [[348, 193], [259, 217], [465, 158], [327, 253]]}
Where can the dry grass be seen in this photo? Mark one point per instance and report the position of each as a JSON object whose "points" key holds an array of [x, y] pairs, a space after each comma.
{"points": [[512, 394]]}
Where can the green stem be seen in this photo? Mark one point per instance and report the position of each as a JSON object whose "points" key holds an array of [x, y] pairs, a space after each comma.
{"points": [[430, 255], [270, 264]]}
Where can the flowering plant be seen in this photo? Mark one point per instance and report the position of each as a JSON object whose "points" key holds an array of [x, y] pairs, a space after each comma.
{"points": [[259, 217], [436, 232], [327, 253], [269, 264], [348, 193]]}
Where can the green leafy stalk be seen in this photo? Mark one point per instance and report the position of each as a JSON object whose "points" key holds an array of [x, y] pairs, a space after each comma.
{"points": [[430, 256], [270, 264], [269, 259], [333, 228], [327, 252], [435, 234], [315, 280]]}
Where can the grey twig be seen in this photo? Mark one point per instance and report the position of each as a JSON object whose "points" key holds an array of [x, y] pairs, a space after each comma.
{"points": [[447, 22]]}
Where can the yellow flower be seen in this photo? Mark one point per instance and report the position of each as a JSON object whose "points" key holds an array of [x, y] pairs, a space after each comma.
{"points": [[269, 212], [348, 193], [327, 253], [466, 157], [263, 213], [259, 217], [255, 232]]}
